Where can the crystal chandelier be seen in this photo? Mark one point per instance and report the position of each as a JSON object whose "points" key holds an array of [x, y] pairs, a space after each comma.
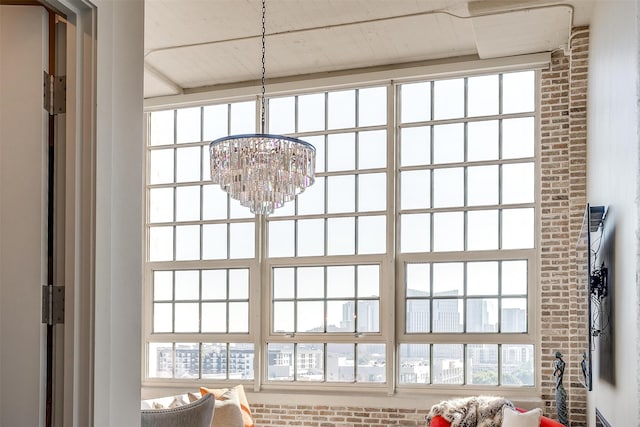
{"points": [[262, 171]]}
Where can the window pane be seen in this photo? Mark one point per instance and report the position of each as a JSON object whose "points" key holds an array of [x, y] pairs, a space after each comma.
{"points": [[415, 233], [214, 317], [482, 95], [415, 146], [368, 281], [214, 361], [188, 203], [310, 362], [162, 317], [448, 98], [368, 319], [415, 102], [372, 236], [341, 316], [447, 314], [448, 143], [482, 185], [448, 231], [283, 316], [188, 125], [216, 122], [514, 315], [282, 115], [283, 283], [482, 364], [160, 205], [341, 194], [371, 363], [281, 238], [311, 201], [517, 365], [372, 106], [238, 317], [161, 166], [372, 149], [310, 316], [160, 360], [310, 283], [187, 317], [517, 183], [311, 237], [414, 364], [214, 241], [482, 141], [187, 242], [161, 127], [418, 316], [418, 279], [448, 364], [162, 285], [242, 359], [518, 92], [311, 112], [514, 277], [482, 315], [372, 192], [342, 109], [517, 228], [187, 285], [239, 283], [340, 362], [187, 360], [448, 278], [214, 202], [319, 143], [482, 278], [517, 138], [280, 357], [415, 189], [188, 164], [482, 230], [448, 187], [241, 239], [341, 152], [243, 118], [160, 243], [214, 284], [341, 281], [341, 236]]}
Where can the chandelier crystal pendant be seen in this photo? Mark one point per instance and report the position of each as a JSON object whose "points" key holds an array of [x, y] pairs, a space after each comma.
{"points": [[262, 171]]}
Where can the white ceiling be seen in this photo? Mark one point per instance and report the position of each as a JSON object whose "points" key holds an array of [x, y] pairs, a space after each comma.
{"points": [[196, 45]]}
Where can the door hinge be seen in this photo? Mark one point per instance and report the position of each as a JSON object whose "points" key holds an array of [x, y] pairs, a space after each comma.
{"points": [[52, 305], [55, 94]]}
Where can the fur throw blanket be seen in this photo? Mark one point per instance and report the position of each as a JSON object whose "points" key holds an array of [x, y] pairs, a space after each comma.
{"points": [[477, 411]]}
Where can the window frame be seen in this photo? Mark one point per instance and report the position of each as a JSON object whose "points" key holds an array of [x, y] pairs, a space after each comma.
{"points": [[392, 302]]}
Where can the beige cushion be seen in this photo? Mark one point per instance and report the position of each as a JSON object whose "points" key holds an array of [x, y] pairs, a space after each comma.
{"points": [[195, 414], [228, 412], [511, 418]]}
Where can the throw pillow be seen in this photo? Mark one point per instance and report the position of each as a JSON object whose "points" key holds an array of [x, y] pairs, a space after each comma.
{"points": [[438, 421], [242, 398], [512, 418], [228, 412]]}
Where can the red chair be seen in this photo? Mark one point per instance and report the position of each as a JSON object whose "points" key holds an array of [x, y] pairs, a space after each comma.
{"points": [[438, 421]]}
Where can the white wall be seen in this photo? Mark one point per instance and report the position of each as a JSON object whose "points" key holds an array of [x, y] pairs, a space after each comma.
{"points": [[613, 181]]}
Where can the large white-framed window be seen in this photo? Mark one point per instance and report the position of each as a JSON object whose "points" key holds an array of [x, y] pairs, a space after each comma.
{"points": [[410, 262]]}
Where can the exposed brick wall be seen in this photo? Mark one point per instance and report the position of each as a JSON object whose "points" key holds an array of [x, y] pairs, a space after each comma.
{"points": [[562, 303], [335, 416], [563, 199]]}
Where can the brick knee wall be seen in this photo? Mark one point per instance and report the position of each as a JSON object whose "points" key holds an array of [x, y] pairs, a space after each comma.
{"points": [[335, 416]]}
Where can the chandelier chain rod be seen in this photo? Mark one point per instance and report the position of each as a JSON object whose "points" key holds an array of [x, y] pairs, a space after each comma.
{"points": [[262, 96]]}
